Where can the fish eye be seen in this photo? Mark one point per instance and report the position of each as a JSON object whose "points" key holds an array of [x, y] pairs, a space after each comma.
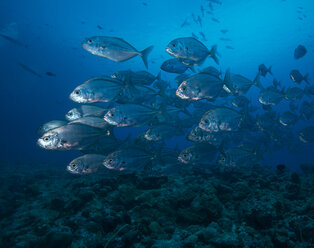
{"points": [[206, 121], [73, 165], [46, 138], [185, 155], [77, 92], [112, 114], [184, 88], [110, 160], [89, 41], [70, 113]]}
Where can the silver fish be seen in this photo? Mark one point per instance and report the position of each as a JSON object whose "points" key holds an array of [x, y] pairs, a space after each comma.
{"points": [[191, 51], [86, 164], [113, 48], [51, 125], [102, 89], [221, 119]]}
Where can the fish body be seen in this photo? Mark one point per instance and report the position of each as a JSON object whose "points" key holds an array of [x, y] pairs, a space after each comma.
{"points": [[70, 137], [191, 51], [237, 156], [175, 66], [113, 48], [262, 69], [84, 111], [198, 135], [270, 96], [198, 154], [306, 135], [101, 89], [288, 118], [221, 119], [51, 125], [86, 164], [297, 77], [130, 115], [294, 93], [200, 86], [299, 52]]}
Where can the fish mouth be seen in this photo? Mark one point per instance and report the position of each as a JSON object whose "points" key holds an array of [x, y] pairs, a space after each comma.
{"points": [[168, 50], [182, 160], [181, 95]]}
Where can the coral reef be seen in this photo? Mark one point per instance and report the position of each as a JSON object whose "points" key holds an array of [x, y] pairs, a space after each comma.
{"points": [[247, 207]]}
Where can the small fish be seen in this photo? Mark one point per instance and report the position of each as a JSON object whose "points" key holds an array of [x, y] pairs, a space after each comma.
{"points": [[288, 118], [215, 20], [50, 125], [198, 154], [50, 74], [203, 36], [93, 121], [75, 137], [202, 10], [240, 102], [262, 69], [198, 135], [237, 84], [86, 164], [237, 156], [175, 66], [113, 48], [306, 135], [300, 52], [294, 93], [221, 119], [297, 77], [84, 111], [162, 132], [194, 36], [199, 20], [12, 40], [225, 39], [144, 3], [99, 27], [185, 23], [276, 83], [191, 51], [200, 86], [130, 115], [270, 96], [103, 89], [230, 47], [224, 31], [26, 68]]}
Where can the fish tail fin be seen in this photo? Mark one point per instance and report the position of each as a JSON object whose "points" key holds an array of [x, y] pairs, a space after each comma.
{"points": [[158, 77], [257, 81], [227, 78], [191, 67], [306, 78], [213, 53], [144, 54], [269, 70]]}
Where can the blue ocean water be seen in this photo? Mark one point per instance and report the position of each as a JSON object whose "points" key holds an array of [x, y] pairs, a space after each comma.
{"points": [[261, 32], [41, 63]]}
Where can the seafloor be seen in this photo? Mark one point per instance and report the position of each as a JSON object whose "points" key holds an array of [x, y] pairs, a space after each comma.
{"points": [[44, 206]]}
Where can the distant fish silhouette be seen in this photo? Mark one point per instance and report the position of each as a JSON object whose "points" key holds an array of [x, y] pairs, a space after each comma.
{"points": [[145, 4], [215, 20], [50, 74], [26, 68], [99, 27], [14, 41], [230, 47], [225, 39], [203, 36], [224, 31]]}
